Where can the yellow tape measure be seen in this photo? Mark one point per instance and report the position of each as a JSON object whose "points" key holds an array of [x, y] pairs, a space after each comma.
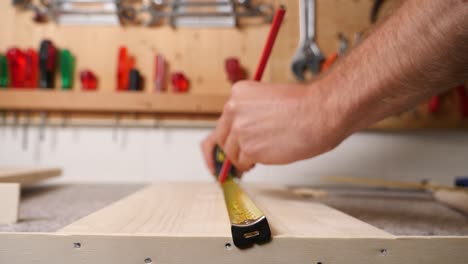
{"points": [[248, 223]]}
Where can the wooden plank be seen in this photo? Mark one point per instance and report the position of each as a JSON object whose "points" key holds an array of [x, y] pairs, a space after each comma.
{"points": [[294, 216], [198, 209], [457, 200], [187, 223], [27, 176], [111, 102], [195, 209], [9, 205], [25, 248]]}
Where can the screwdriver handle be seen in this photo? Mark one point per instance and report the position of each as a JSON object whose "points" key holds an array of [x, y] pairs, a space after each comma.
{"points": [[47, 64], [66, 69], [4, 75]]}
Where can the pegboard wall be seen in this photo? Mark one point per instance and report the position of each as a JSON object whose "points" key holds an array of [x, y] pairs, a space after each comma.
{"points": [[199, 53]]}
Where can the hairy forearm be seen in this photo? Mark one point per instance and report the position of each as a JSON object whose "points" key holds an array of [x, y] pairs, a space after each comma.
{"points": [[418, 52]]}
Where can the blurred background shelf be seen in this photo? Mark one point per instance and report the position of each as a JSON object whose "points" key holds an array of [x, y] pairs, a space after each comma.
{"points": [[111, 102]]}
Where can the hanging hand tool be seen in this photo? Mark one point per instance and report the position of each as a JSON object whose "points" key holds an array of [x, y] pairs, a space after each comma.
{"points": [[234, 70], [125, 64], [148, 13], [31, 81], [134, 80], [43, 116], [67, 66], [67, 63], [160, 68], [15, 123], [248, 223], [25, 130], [32, 69], [308, 56], [47, 64], [3, 114], [4, 72], [88, 80], [180, 82], [330, 60], [17, 67], [41, 13], [135, 83], [47, 69], [187, 13]]}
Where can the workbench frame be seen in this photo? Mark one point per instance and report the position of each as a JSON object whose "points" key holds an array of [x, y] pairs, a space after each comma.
{"points": [[109, 249]]}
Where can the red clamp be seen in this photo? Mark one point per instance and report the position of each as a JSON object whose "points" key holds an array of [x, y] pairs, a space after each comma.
{"points": [[234, 70]]}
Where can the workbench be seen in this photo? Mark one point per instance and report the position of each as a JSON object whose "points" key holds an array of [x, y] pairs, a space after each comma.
{"points": [[188, 223]]}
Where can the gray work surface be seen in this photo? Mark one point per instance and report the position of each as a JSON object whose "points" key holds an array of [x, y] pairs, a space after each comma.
{"points": [[51, 207]]}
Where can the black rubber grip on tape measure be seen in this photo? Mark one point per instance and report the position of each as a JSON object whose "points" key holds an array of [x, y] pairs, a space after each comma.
{"points": [[219, 157], [242, 239]]}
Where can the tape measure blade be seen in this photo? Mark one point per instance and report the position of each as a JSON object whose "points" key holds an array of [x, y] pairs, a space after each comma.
{"points": [[248, 223]]}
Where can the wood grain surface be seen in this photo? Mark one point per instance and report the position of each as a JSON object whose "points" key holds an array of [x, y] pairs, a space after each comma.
{"points": [[198, 209]]}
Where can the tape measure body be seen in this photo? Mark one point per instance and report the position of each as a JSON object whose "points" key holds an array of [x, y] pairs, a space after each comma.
{"points": [[248, 223], [219, 158]]}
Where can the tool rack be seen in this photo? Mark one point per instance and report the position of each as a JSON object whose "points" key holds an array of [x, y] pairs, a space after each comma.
{"points": [[199, 52]]}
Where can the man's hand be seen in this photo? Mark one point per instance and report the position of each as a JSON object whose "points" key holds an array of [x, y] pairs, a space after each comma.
{"points": [[273, 124]]}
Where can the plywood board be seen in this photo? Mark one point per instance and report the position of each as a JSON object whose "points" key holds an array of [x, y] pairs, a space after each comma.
{"points": [[187, 223], [27, 176], [457, 200], [9, 202], [198, 209]]}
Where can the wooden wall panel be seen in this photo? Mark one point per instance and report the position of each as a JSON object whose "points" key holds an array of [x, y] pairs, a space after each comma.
{"points": [[200, 53]]}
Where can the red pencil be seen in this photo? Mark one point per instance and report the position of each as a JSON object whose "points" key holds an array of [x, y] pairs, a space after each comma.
{"points": [[275, 26]]}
